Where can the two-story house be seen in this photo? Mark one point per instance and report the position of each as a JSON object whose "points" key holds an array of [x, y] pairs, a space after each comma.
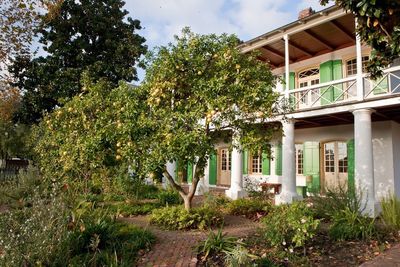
{"points": [[343, 129]]}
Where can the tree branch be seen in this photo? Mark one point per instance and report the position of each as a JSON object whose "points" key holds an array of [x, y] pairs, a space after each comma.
{"points": [[172, 182]]}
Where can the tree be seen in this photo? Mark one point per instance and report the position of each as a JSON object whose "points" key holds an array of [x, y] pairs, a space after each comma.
{"points": [[19, 19], [200, 88], [379, 27], [94, 36]]}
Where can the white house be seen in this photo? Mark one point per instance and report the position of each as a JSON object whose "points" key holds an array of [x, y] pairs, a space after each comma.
{"points": [[343, 127]]}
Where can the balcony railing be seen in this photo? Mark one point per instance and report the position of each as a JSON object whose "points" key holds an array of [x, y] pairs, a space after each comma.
{"points": [[344, 90]]}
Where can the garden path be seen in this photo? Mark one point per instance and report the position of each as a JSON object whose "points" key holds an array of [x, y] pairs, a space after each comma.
{"points": [[175, 248], [390, 258]]}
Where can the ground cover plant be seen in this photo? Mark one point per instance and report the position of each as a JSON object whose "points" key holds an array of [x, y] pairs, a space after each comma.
{"points": [[254, 208]]}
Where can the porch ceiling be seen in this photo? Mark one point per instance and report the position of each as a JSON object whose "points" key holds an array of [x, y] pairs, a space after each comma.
{"points": [[324, 38], [380, 114]]}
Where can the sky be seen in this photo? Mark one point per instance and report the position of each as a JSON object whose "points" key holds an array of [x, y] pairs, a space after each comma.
{"points": [[162, 19]]}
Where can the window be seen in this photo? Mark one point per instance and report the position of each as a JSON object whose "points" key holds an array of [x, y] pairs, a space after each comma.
{"points": [[225, 160], [351, 66], [299, 159], [256, 164], [307, 78], [342, 154], [330, 157]]}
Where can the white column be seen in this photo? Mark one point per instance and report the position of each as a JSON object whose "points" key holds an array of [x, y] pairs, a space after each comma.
{"points": [[236, 190], [288, 193], [287, 69], [171, 168], [364, 161], [360, 84]]}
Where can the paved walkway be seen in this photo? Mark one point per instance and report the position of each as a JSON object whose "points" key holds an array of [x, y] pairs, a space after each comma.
{"points": [[175, 248], [390, 258]]}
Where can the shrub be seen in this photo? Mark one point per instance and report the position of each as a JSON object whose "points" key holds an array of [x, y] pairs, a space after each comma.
{"points": [[334, 200], [177, 218], [238, 256], [169, 197], [248, 207], [105, 242], [214, 201], [217, 243], [351, 225], [132, 209], [290, 225], [391, 212]]}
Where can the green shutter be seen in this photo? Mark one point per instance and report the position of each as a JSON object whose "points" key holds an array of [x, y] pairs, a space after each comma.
{"points": [[350, 165], [265, 164], [326, 75], [292, 85], [337, 74], [278, 158], [311, 165], [245, 159], [189, 172], [212, 169]]}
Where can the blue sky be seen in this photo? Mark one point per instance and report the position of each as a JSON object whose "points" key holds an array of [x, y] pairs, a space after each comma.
{"points": [[162, 19]]}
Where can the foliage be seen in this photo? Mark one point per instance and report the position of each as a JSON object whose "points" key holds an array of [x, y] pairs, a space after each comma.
{"points": [[348, 225], [214, 201], [104, 242], [335, 200], [391, 212], [93, 36], [178, 218], [31, 234], [238, 256], [169, 197], [19, 19], [198, 83], [248, 207], [216, 243], [18, 191], [290, 226], [379, 27], [127, 209], [93, 139]]}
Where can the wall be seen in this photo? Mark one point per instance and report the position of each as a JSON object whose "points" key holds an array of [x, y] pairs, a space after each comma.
{"points": [[396, 156]]}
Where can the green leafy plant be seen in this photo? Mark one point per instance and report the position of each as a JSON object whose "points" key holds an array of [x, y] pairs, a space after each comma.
{"points": [[290, 226], [177, 218], [391, 212], [216, 243], [127, 209], [336, 199], [238, 256], [248, 207], [351, 225], [169, 197]]}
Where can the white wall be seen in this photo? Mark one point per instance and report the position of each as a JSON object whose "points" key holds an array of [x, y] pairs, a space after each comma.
{"points": [[396, 156]]}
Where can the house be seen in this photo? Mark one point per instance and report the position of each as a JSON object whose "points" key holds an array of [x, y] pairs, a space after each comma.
{"points": [[343, 128]]}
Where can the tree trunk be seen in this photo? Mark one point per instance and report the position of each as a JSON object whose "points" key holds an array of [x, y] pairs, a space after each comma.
{"points": [[187, 200]]}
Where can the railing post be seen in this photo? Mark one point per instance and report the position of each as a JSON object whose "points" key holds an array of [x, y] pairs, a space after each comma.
{"points": [[287, 69], [360, 83]]}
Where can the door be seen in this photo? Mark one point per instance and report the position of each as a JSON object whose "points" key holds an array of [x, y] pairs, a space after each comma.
{"points": [[224, 177], [307, 78], [335, 165]]}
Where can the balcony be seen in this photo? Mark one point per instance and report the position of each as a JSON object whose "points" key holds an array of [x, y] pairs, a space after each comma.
{"points": [[343, 91]]}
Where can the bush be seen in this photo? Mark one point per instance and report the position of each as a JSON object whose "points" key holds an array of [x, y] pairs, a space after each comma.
{"points": [[238, 256], [214, 201], [290, 225], [248, 207], [351, 225], [132, 209], [217, 243], [105, 242], [169, 197], [177, 218], [334, 200], [391, 212]]}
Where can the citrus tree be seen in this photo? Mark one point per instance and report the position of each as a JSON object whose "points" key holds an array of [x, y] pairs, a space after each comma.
{"points": [[201, 87], [93, 136]]}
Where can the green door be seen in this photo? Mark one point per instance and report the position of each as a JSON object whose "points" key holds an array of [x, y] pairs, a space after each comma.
{"points": [[311, 165], [212, 169]]}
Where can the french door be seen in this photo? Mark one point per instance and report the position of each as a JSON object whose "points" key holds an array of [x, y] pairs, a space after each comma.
{"points": [[335, 165], [224, 168]]}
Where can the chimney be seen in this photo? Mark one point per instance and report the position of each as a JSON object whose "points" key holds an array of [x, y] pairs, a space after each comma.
{"points": [[305, 13]]}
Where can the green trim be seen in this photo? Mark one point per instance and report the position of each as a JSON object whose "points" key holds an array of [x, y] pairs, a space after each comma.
{"points": [[350, 166], [311, 165], [212, 169], [278, 158], [266, 167], [245, 161], [337, 74]]}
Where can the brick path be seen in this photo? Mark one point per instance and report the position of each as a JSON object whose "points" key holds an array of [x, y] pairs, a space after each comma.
{"points": [[175, 248], [390, 258]]}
